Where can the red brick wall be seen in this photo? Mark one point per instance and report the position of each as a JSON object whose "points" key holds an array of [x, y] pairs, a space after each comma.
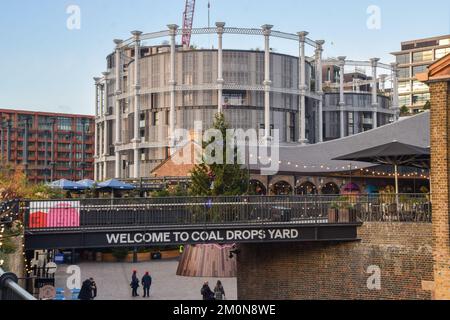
{"points": [[301, 271], [440, 120]]}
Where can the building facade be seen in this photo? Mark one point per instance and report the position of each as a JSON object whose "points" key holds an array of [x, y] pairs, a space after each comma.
{"points": [[414, 58], [49, 146], [147, 92]]}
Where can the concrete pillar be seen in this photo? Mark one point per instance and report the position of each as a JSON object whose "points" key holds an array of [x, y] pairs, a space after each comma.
{"points": [[302, 87], [118, 113], [319, 88], [172, 83], [106, 88], [137, 104], [374, 62], [395, 101], [97, 100], [267, 30], [341, 95], [220, 29]]}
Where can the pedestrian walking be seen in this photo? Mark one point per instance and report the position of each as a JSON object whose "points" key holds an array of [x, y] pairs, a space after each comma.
{"points": [[86, 291], [93, 288], [134, 284], [207, 292], [146, 284], [219, 292]]}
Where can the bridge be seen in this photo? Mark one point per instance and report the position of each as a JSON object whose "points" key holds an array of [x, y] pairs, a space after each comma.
{"points": [[138, 222]]}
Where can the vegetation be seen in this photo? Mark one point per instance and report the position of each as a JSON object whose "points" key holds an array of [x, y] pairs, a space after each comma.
{"points": [[14, 185], [427, 105], [219, 179], [120, 253], [404, 111]]}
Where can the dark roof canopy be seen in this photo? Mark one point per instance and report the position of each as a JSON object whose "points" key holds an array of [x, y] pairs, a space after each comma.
{"points": [[394, 153]]}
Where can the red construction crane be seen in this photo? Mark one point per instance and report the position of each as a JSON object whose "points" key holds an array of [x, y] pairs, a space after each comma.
{"points": [[188, 20]]}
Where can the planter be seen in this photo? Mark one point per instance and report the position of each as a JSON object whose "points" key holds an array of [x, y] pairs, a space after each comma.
{"points": [[347, 215], [332, 215]]}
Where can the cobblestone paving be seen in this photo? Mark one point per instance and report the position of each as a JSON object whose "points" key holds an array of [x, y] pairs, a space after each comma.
{"points": [[113, 281]]}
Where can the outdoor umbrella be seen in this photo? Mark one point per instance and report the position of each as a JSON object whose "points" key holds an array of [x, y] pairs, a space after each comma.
{"points": [[87, 183], [114, 184], [351, 187], [394, 153], [370, 189], [67, 185]]}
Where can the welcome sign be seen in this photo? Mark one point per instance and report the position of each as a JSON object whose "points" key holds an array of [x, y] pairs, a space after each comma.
{"points": [[216, 236]]}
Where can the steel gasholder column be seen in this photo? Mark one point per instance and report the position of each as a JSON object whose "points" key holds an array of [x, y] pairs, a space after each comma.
{"points": [[220, 29], [137, 107], [267, 30], [341, 94], [172, 83], [117, 108], [302, 87], [319, 88]]}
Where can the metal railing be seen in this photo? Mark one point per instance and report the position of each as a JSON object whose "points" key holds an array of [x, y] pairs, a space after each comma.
{"points": [[9, 288], [205, 211]]}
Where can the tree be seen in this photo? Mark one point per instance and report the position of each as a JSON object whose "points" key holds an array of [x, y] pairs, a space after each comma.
{"points": [[404, 111], [219, 179], [427, 105]]}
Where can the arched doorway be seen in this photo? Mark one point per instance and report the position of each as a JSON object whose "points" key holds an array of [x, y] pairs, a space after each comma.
{"points": [[258, 188], [306, 188], [281, 188], [330, 188]]}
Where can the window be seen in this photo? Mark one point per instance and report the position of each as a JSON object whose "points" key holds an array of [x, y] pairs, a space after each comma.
{"points": [[419, 99], [404, 87], [441, 52], [423, 56], [403, 72], [403, 59], [419, 69], [405, 100], [419, 86], [155, 118], [64, 124]]}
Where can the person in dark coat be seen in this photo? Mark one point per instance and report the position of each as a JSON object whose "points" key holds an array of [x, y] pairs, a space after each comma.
{"points": [[86, 291], [134, 284], [207, 292], [146, 283], [93, 288]]}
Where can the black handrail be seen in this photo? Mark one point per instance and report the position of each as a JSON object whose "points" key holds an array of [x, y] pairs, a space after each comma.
{"points": [[9, 288]]}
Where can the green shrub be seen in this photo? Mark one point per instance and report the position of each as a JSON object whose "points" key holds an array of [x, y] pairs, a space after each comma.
{"points": [[120, 253]]}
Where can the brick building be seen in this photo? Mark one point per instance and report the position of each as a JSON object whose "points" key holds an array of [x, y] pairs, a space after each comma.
{"points": [[438, 79], [50, 146]]}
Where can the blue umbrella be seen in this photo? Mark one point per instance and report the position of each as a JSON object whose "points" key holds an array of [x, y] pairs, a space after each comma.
{"points": [[87, 183], [115, 185], [67, 185]]}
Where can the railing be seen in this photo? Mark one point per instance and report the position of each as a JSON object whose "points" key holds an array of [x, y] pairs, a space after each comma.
{"points": [[10, 290], [204, 211]]}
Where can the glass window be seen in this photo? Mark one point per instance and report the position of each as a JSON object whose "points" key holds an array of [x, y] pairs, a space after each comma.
{"points": [[403, 72], [419, 86], [419, 99], [64, 124], [442, 52], [403, 58], [423, 56], [404, 87], [419, 69], [404, 100]]}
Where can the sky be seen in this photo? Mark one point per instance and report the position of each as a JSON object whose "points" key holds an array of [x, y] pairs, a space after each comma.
{"points": [[48, 66]]}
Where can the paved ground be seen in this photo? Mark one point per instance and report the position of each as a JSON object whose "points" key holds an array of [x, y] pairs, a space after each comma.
{"points": [[113, 281]]}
